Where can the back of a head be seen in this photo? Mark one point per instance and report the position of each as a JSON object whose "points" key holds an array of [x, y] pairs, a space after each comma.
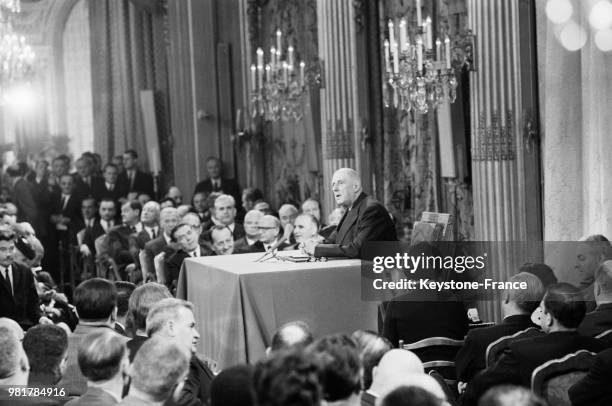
{"points": [[12, 356], [340, 366], [287, 378], [233, 387], [542, 271], [603, 280], [164, 311], [291, 335], [566, 304], [507, 395], [143, 299], [45, 346], [100, 355], [95, 299], [372, 347], [124, 291], [527, 300], [398, 362], [158, 367], [418, 380], [410, 395]]}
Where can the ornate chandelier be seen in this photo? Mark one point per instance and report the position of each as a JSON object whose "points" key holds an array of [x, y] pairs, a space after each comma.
{"points": [[278, 87], [419, 76], [16, 56]]}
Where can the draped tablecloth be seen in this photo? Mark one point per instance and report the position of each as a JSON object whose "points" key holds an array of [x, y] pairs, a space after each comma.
{"points": [[240, 303]]}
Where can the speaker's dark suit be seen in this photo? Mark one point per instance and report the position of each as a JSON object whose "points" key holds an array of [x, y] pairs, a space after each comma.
{"points": [[523, 356], [100, 191], [228, 187], [597, 321], [367, 220], [595, 389], [22, 305], [471, 358], [143, 183]]}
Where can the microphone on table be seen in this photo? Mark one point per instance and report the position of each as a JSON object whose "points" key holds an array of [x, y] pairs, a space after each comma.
{"points": [[272, 250]]}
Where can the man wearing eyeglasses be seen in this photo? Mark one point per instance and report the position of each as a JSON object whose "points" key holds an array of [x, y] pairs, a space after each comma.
{"points": [[269, 235], [187, 238]]}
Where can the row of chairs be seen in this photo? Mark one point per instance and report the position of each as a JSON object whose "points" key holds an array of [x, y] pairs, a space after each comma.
{"points": [[551, 380]]}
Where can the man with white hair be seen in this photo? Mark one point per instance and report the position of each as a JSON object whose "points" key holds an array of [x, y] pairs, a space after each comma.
{"points": [[168, 219], [365, 220], [391, 371], [14, 365], [173, 319], [149, 217], [251, 231], [600, 320]]}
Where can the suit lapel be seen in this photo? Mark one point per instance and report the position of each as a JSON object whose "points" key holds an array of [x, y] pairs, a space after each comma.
{"points": [[16, 278], [349, 220]]}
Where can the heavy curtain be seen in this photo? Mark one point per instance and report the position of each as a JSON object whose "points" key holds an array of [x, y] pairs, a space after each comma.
{"points": [[129, 55], [575, 99]]}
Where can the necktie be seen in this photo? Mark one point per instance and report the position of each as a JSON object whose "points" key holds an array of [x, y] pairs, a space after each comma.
{"points": [[64, 199], [153, 234], [8, 279], [216, 185], [194, 254], [131, 180]]}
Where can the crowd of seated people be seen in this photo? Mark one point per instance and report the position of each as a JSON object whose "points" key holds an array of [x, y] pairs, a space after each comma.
{"points": [[121, 337]]}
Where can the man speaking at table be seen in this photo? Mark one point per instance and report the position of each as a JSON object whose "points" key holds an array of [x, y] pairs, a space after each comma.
{"points": [[365, 220]]}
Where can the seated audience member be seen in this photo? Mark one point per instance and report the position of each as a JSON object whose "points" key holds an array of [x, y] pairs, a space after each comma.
{"points": [[14, 366], [124, 291], [46, 346], [287, 214], [600, 320], [563, 309], [233, 387], [200, 205], [542, 271], [508, 395], [251, 232], [312, 207], [175, 194], [589, 255], [250, 196], [141, 301], [184, 209], [166, 202], [130, 217], [173, 320], [437, 314], [269, 237], [340, 366], [595, 389], [372, 347], [289, 336], [222, 240], [103, 360], [287, 378], [216, 182], [332, 221], [88, 213], [96, 303], [187, 239], [19, 300], [264, 207], [168, 219], [108, 187], [100, 227], [517, 306], [158, 372], [224, 214], [410, 395], [390, 372], [305, 228], [149, 218]]}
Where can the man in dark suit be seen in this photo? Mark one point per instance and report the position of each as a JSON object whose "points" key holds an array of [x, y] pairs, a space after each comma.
{"points": [[133, 179], [84, 179], [563, 308], [66, 206], [595, 389], [251, 231], [600, 320], [217, 183], [103, 359], [365, 220], [149, 218], [100, 226], [108, 187], [187, 239], [269, 236], [23, 196], [517, 306], [18, 300], [224, 214], [168, 219]]}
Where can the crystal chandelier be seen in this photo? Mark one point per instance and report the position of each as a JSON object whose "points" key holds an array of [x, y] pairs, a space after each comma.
{"points": [[418, 77], [278, 86], [16, 56]]}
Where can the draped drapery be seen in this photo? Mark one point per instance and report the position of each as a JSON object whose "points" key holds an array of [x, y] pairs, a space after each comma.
{"points": [[128, 55], [575, 89]]}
